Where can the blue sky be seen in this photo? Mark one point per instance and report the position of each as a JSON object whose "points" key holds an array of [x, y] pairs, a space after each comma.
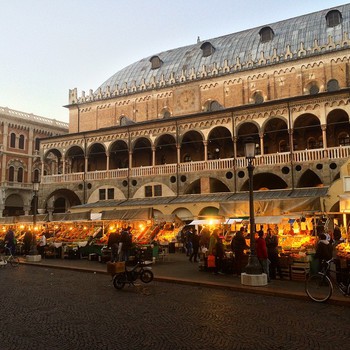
{"points": [[51, 46]]}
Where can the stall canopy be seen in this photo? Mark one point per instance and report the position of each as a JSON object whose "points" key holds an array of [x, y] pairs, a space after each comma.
{"points": [[274, 202], [277, 219], [28, 219], [168, 218], [206, 222], [69, 217], [24, 219], [128, 214]]}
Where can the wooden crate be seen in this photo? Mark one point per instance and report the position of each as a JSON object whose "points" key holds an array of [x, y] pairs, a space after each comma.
{"points": [[299, 271], [286, 272], [117, 267]]}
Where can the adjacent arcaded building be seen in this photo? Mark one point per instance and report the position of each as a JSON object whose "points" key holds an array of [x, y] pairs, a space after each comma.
{"points": [[20, 164]]}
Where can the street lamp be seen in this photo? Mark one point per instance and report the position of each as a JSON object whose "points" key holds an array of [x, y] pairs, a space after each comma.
{"points": [[33, 249], [253, 267]]}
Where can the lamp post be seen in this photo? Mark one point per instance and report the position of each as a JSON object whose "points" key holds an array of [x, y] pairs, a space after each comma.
{"points": [[33, 249], [253, 267]]}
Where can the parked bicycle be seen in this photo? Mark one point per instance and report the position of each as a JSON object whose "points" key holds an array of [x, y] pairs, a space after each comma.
{"points": [[8, 257], [319, 287]]}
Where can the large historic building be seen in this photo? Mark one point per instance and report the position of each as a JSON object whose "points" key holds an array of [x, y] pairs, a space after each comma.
{"points": [[20, 162], [168, 131]]}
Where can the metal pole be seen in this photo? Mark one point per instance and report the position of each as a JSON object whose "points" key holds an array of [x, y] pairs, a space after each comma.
{"points": [[33, 249], [253, 267]]}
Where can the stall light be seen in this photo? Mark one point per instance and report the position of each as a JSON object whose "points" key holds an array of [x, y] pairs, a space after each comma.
{"points": [[141, 227], [56, 227], [111, 228], [85, 228], [36, 228], [21, 227], [71, 228]]}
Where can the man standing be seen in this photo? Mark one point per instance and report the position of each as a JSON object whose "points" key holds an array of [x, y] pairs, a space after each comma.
{"points": [[272, 253], [113, 242], [261, 253], [125, 239], [238, 245]]}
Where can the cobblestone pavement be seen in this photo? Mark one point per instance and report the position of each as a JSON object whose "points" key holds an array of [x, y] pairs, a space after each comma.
{"points": [[45, 308]]}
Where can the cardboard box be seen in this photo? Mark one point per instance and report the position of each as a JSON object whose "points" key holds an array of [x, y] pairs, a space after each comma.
{"points": [[117, 267]]}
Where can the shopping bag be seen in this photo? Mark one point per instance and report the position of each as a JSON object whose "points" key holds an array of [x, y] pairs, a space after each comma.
{"points": [[211, 260]]}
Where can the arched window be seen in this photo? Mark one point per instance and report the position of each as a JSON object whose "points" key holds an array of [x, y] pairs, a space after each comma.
{"points": [[13, 140], [208, 49], [36, 177], [214, 106], [333, 85], [314, 89], [124, 120], [37, 144], [11, 174], [333, 18], [166, 114], [21, 142], [156, 62], [20, 175], [258, 98], [266, 34]]}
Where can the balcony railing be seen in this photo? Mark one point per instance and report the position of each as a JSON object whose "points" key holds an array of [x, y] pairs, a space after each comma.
{"points": [[17, 185], [200, 166]]}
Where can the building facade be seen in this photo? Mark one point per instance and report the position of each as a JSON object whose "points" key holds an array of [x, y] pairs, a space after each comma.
{"points": [[168, 131], [20, 163]]}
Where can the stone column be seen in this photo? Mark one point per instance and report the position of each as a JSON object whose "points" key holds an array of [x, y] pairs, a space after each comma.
{"points": [[324, 135]]}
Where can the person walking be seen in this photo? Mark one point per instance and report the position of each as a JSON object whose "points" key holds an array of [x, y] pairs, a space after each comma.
{"points": [[238, 245], [195, 246], [212, 242], [272, 253], [125, 239], [10, 240], [219, 256], [261, 253], [42, 244], [113, 243], [27, 242]]}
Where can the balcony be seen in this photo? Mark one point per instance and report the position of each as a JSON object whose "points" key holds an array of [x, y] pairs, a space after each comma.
{"points": [[304, 156]]}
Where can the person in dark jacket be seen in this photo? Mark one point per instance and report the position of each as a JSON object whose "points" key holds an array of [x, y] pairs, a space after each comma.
{"points": [[323, 251], [10, 240], [126, 240], [113, 243], [238, 245], [261, 253], [195, 246], [219, 256], [272, 253], [27, 242]]}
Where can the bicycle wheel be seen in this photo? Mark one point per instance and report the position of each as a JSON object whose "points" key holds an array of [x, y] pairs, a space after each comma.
{"points": [[119, 281], [146, 276], [14, 261], [319, 287]]}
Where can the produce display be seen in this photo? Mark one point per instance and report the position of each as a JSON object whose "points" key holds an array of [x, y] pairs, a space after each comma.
{"points": [[343, 250], [297, 242]]}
